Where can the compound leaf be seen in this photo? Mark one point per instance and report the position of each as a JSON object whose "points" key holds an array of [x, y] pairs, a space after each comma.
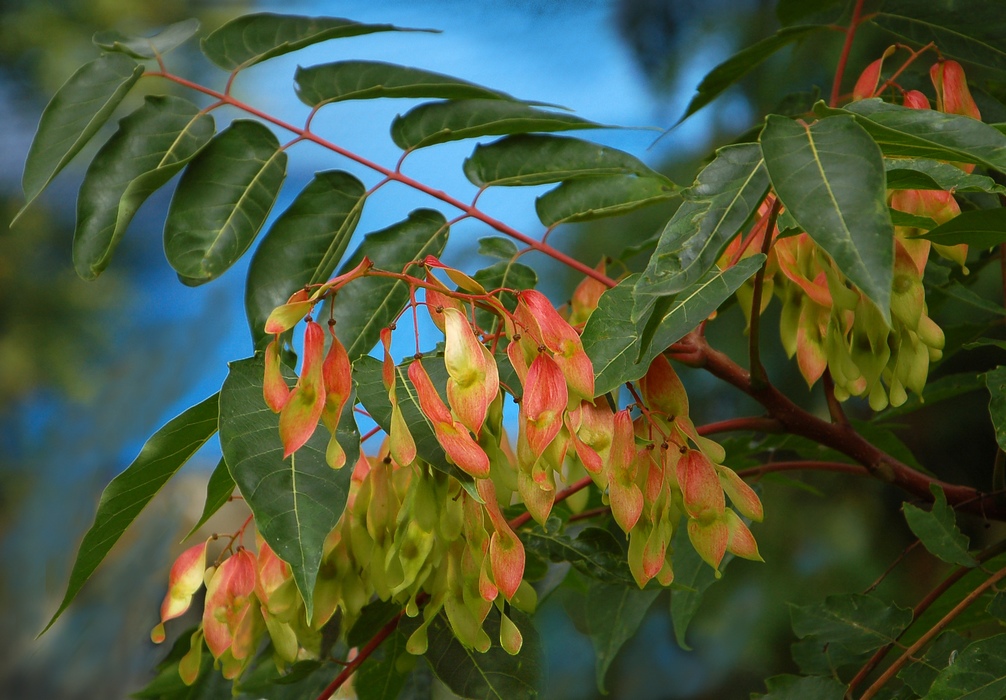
{"points": [[830, 176], [439, 122], [366, 80], [296, 501], [128, 493], [303, 246], [254, 38], [223, 200], [74, 114], [152, 144]]}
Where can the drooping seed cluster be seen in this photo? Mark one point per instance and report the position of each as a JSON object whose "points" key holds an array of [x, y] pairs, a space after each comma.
{"points": [[438, 543], [826, 322]]}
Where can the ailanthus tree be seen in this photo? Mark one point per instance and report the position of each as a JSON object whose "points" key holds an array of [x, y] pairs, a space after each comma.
{"points": [[428, 535]]}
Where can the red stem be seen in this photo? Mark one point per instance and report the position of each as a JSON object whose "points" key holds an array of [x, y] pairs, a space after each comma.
{"points": [[843, 59], [695, 351], [757, 425], [398, 177], [910, 652], [362, 656]]}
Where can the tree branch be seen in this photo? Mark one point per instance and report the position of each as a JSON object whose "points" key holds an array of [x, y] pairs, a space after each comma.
{"points": [[695, 351]]}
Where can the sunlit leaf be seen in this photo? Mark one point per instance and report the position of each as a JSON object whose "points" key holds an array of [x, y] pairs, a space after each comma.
{"points": [[144, 47], [152, 144], [494, 675], [830, 176], [926, 174], [860, 622], [937, 530], [621, 349], [538, 159], [585, 199], [743, 62], [254, 38], [723, 198], [304, 245], [981, 228], [219, 490], [363, 308], [438, 122], [925, 133], [674, 317], [222, 201], [74, 114], [967, 30], [977, 673], [365, 80], [497, 247], [615, 614], [128, 493], [296, 501]]}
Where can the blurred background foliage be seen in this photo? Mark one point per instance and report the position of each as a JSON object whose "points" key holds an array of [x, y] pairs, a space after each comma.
{"points": [[87, 371]]}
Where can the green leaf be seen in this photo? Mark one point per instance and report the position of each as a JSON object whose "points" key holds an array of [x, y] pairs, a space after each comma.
{"points": [[725, 195], [981, 228], [303, 246], [995, 380], [494, 674], [497, 247], [152, 144], [985, 343], [919, 676], [374, 397], [254, 38], [222, 201], [74, 114], [740, 64], [861, 623], [968, 30], [439, 122], [692, 578], [586, 199], [830, 176], [937, 530], [802, 688], [978, 673], [615, 614], [373, 617], [956, 290], [363, 308], [365, 80], [538, 159], [219, 490], [145, 47], [621, 349], [900, 218], [673, 318], [594, 552], [128, 493], [818, 658], [925, 133], [296, 501], [506, 273], [927, 174], [379, 677]]}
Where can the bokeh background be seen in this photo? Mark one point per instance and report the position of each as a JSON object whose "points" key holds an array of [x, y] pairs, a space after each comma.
{"points": [[89, 370]]}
